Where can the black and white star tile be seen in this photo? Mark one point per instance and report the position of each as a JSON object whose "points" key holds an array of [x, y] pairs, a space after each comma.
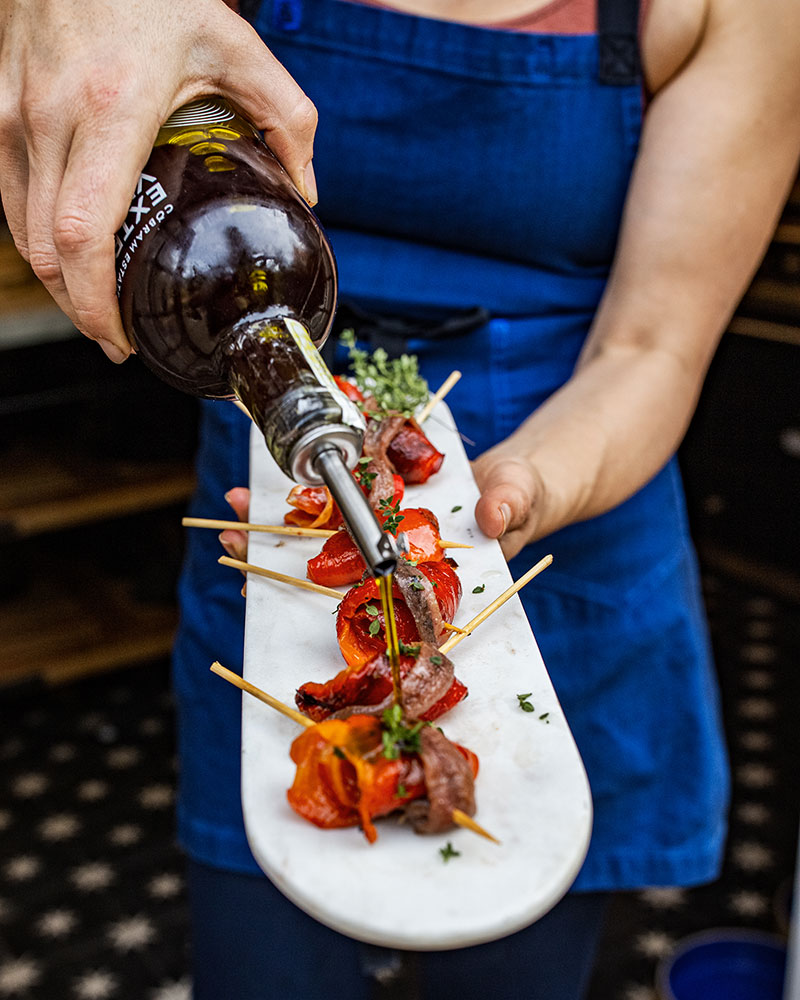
{"points": [[92, 903], [92, 897]]}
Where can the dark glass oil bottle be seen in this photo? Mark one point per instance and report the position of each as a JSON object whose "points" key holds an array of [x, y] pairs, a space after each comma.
{"points": [[226, 282], [227, 285]]}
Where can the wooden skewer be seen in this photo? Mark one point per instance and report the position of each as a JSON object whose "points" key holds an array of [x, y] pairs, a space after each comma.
{"points": [[272, 529], [438, 396], [295, 581], [448, 644], [459, 818], [244, 685], [284, 529]]}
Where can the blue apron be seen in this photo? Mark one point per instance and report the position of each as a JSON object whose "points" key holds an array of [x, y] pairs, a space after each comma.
{"points": [[461, 167]]}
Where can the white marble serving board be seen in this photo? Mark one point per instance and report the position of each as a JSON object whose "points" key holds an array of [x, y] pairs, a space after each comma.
{"points": [[531, 790]]}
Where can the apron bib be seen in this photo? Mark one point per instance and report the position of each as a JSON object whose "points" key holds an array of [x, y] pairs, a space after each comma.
{"points": [[472, 181]]}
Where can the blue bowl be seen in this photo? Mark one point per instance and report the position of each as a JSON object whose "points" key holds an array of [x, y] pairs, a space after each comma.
{"points": [[724, 965]]}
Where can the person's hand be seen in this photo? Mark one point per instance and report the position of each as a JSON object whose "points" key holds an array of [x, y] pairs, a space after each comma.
{"points": [[235, 542], [513, 505], [84, 87]]}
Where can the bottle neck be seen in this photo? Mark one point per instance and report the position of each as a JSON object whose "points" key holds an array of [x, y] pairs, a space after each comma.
{"points": [[273, 367]]}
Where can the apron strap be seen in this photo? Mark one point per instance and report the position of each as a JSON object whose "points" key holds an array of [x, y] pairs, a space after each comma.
{"points": [[618, 33]]}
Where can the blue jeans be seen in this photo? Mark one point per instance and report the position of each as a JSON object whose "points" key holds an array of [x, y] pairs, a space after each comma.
{"points": [[250, 943]]}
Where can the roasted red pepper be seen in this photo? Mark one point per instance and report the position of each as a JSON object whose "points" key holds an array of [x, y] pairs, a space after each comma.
{"points": [[314, 506], [350, 389], [340, 562], [412, 454], [353, 622], [344, 779], [368, 684]]}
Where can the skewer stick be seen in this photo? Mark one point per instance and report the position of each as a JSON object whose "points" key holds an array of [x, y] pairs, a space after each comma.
{"points": [[272, 529], [459, 818], [448, 644], [293, 581], [438, 396], [279, 706], [284, 529]]}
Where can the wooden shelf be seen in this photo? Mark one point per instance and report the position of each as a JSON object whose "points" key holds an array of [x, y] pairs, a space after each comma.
{"points": [[71, 621], [48, 492], [768, 296], [28, 315], [782, 583], [788, 232], [762, 329]]}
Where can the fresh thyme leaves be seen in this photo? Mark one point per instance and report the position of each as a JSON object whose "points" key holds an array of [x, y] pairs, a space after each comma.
{"points": [[436, 660], [479, 589], [374, 625], [391, 514], [448, 851], [456, 509], [544, 717], [362, 475], [397, 736], [396, 384], [417, 584], [524, 704], [337, 752], [401, 792], [408, 650]]}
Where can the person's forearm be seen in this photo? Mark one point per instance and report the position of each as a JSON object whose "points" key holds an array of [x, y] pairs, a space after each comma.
{"points": [[590, 446], [608, 431]]}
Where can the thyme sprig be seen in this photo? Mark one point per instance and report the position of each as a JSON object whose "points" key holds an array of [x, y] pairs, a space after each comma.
{"points": [[448, 851], [363, 475], [395, 383], [397, 736], [391, 514]]}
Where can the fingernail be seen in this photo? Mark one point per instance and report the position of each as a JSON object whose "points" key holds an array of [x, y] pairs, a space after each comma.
{"points": [[112, 352], [227, 496], [505, 513], [310, 184]]}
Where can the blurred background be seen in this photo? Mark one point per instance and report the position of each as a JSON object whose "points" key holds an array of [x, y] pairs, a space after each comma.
{"points": [[96, 467]]}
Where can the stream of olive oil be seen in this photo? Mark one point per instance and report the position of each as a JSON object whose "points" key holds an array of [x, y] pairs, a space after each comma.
{"points": [[392, 645]]}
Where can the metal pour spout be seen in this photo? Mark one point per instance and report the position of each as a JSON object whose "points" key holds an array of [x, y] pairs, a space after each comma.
{"points": [[378, 548]]}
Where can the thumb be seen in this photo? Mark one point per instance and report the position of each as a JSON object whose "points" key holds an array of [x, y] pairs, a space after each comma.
{"points": [[509, 490], [503, 506]]}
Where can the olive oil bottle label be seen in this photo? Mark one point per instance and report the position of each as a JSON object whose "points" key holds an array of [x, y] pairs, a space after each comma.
{"points": [[149, 207], [300, 336]]}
